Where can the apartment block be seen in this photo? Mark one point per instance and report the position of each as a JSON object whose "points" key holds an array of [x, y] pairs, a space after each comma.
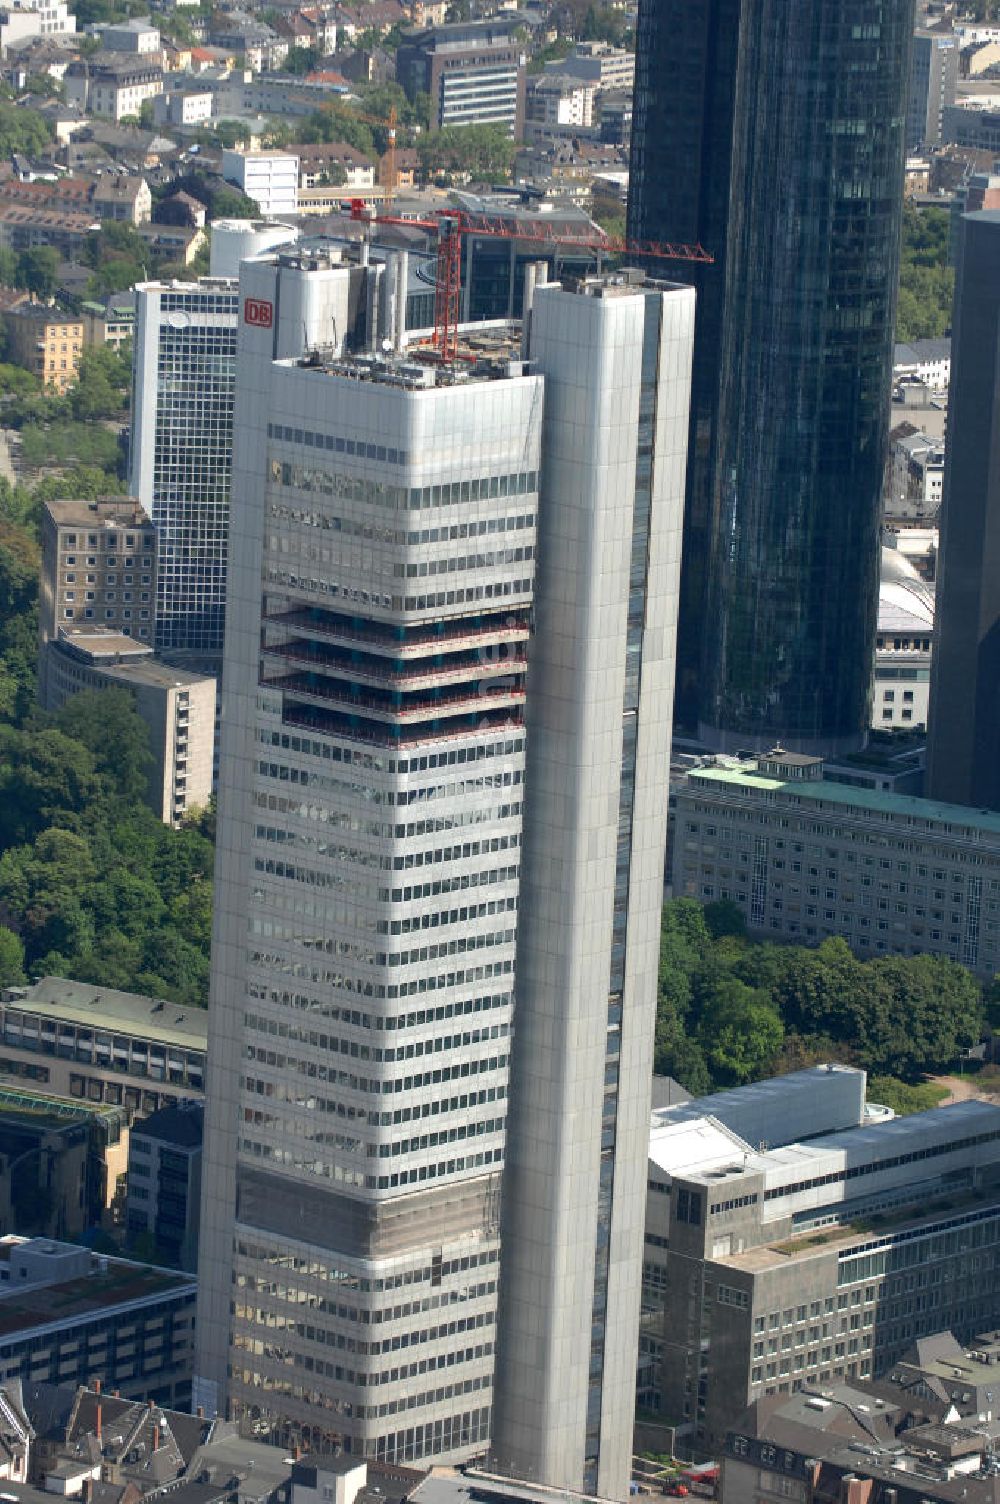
{"points": [[785, 1262], [98, 567], [164, 1182], [270, 178], [94, 1044], [806, 858], [47, 341]]}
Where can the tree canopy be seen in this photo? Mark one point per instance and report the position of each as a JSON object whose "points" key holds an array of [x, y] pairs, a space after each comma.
{"points": [[731, 1010], [926, 280]]}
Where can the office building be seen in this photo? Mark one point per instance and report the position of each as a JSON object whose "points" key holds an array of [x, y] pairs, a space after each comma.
{"points": [[270, 178], [934, 73], [408, 958], [737, 144], [963, 749], [815, 1255], [69, 1316], [182, 433], [46, 341], [63, 1163], [76, 1040], [806, 858], [616, 361], [473, 71], [368, 857], [164, 1183], [182, 428]]}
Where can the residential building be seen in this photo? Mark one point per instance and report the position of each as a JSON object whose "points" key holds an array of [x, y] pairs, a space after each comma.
{"points": [[270, 178], [934, 72], [98, 566], [71, 1316], [111, 322], [903, 646], [256, 45], [94, 1044], [806, 858], [615, 355], [928, 360], [22, 19], [114, 84], [123, 198], [23, 226], [62, 1163], [180, 242], [963, 749], [409, 1197], [176, 703], [473, 72], [406, 1198], [855, 1440], [335, 163], [45, 340], [183, 107], [164, 1183], [780, 510], [817, 1259]]}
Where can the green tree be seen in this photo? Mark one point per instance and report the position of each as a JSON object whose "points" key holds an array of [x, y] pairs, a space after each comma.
{"points": [[11, 958], [37, 270], [44, 775], [740, 1032], [107, 724], [926, 281]]}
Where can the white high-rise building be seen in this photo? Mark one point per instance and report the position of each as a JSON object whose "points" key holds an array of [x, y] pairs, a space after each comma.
{"points": [[368, 858], [183, 380], [369, 865], [615, 356]]}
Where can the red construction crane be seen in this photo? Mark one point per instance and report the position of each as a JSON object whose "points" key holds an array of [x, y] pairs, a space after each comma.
{"points": [[451, 224]]}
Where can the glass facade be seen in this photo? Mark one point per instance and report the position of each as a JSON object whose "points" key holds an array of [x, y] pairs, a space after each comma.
{"points": [[685, 81], [805, 106]]}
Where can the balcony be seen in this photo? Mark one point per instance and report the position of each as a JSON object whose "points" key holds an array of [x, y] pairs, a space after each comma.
{"points": [[395, 673], [392, 705], [406, 642]]}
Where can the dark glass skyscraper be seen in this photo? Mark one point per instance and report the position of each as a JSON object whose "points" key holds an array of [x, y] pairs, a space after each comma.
{"points": [[794, 348]]}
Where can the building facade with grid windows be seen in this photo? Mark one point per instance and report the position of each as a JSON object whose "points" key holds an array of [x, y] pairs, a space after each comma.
{"points": [[182, 434], [806, 859]]}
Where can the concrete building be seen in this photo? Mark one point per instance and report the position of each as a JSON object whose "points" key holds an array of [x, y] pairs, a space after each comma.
{"points": [[903, 646], [559, 99], [972, 124], [99, 567], [807, 858], [270, 178], [47, 341], [164, 1183], [23, 19], [131, 36], [963, 749], [616, 361], [68, 1315], [915, 476], [474, 72], [407, 1198], [177, 704], [599, 64], [85, 1043], [23, 226], [934, 70], [812, 1260]]}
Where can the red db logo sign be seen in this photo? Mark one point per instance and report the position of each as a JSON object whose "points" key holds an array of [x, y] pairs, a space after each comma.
{"points": [[258, 313]]}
